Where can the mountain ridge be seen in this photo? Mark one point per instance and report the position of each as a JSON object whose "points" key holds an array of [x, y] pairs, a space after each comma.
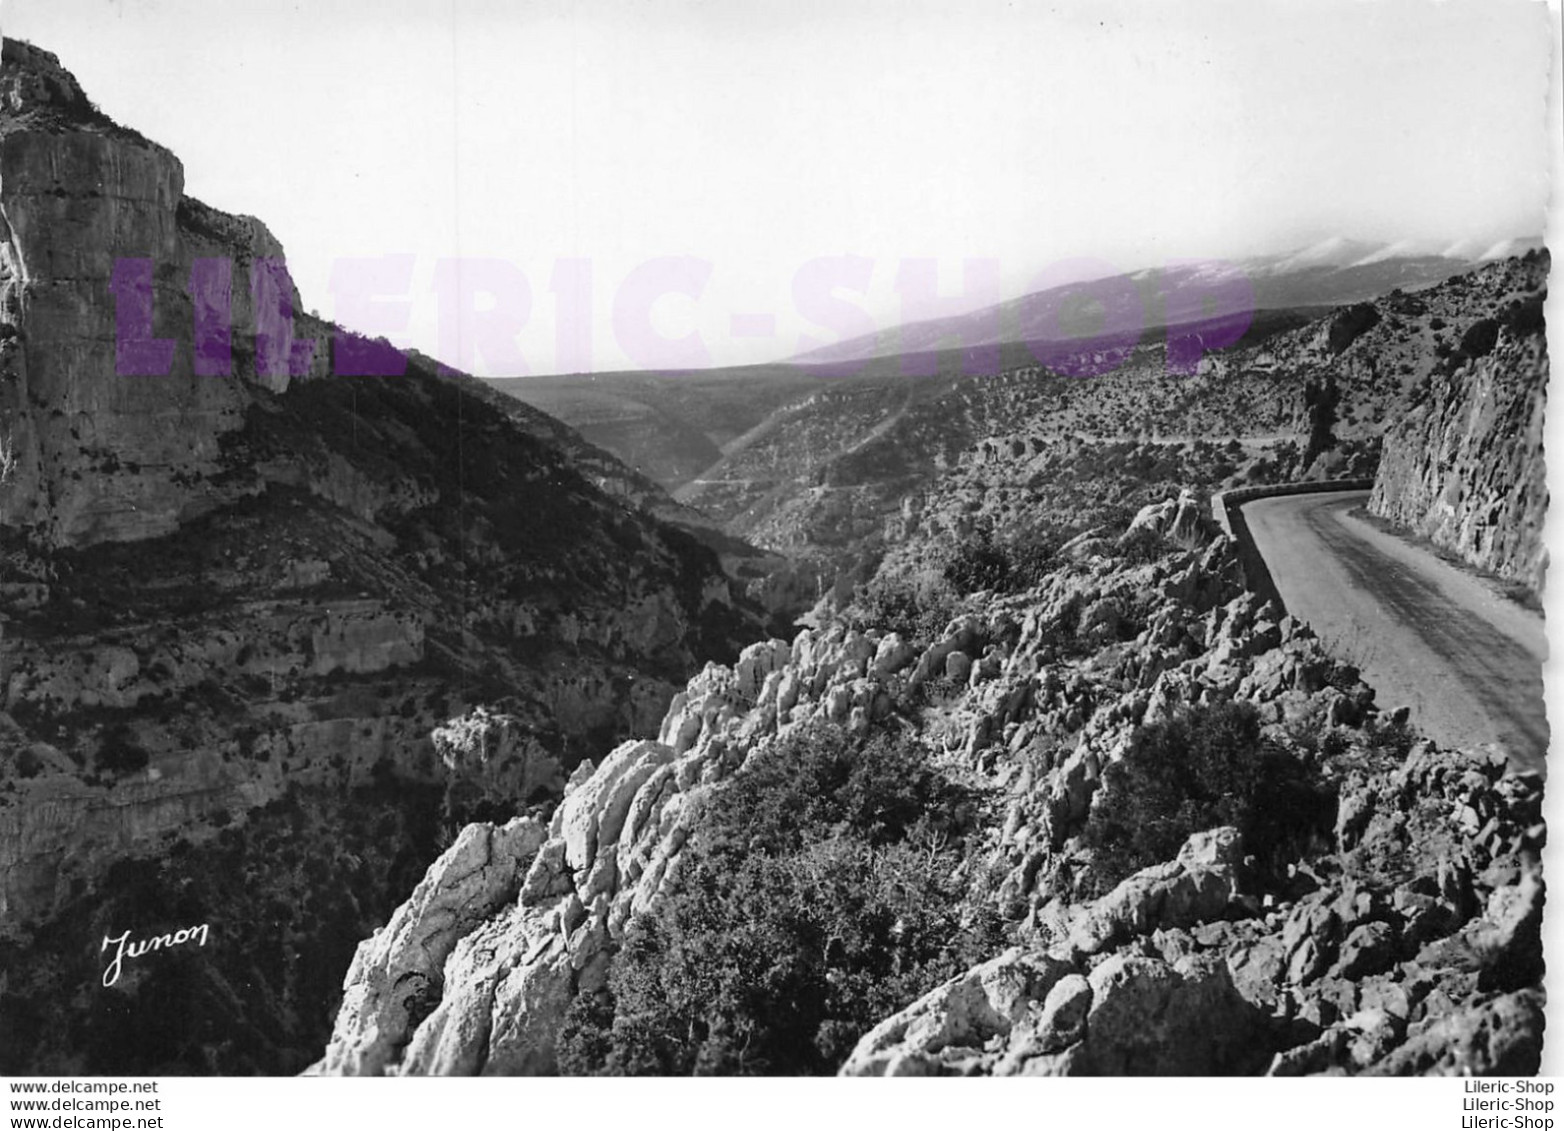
{"points": [[1334, 272]]}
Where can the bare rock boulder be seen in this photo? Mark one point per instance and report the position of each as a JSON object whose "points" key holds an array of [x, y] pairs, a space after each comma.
{"points": [[948, 1031], [397, 975]]}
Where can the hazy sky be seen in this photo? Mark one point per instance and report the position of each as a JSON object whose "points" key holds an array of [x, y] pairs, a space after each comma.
{"points": [[586, 158]]}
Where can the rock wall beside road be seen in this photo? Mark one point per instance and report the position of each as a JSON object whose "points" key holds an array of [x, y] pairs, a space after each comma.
{"points": [[1465, 464]]}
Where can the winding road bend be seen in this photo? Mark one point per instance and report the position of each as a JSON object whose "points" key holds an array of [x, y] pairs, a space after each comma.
{"points": [[1425, 634]]}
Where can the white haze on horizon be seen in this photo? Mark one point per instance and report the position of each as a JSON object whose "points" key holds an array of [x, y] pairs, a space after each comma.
{"points": [[562, 148]]}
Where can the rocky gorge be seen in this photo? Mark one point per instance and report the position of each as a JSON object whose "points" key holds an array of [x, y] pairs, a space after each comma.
{"points": [[241, 589], [481, 753]]}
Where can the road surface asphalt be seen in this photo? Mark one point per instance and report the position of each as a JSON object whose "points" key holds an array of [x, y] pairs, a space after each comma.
{"points": [[1464, 658]]}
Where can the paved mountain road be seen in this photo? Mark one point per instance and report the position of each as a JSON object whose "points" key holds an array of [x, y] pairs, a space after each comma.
{"points": [[1425, 634]]}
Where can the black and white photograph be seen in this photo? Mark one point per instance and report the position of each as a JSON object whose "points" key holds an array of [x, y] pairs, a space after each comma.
{"points": [[685, 538]]}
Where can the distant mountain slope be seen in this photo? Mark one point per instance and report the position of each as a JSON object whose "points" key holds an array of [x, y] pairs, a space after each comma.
{"points": [[664, 447], [677, 426], [672, 425], [1333, 273]]}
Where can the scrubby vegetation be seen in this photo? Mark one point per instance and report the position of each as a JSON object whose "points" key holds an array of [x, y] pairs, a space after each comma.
{"points": [[918, 606], [120, 752], [920, 600], [1137, 547], [1204, 768], [827, 886], [1004, 564]]}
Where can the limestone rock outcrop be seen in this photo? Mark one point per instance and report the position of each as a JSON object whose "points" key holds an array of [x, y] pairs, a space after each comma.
{"points": [[1400, 946], [498, 758], [1464, 466], [109, 446], [1427, 964], [397, 975], [1047, 1011]]}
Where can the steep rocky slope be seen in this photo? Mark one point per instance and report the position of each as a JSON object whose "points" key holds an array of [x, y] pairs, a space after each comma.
{"points": [[815, 462], [1464, 464], [1381, 917], [239, 588], [829, 476]]}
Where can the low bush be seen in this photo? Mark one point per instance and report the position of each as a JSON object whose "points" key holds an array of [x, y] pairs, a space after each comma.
{"points": [[825, 888], [1142, 546], [119, 751], [1008, 565], [978, 564], [1207, 767], [919, 609], [1388, 742]]}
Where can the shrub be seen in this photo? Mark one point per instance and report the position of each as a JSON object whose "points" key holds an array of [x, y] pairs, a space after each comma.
{"points": [[28, 764], [1205, 768], [823, 889], [825, 781], [978, 564], [1033, 556], [917, 610], [1479, 338], [119, 752], [1010, 566], [936, 691], [1388, 742], [1141, 546], [1524, 316]]}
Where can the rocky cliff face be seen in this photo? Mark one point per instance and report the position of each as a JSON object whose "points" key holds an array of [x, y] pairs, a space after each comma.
{"points": [[1465, 463], [227, 598], [99, 455], [1403, 940]]}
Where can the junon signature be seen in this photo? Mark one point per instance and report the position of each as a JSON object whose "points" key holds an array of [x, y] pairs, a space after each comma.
{"points": [[125, 949]]}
